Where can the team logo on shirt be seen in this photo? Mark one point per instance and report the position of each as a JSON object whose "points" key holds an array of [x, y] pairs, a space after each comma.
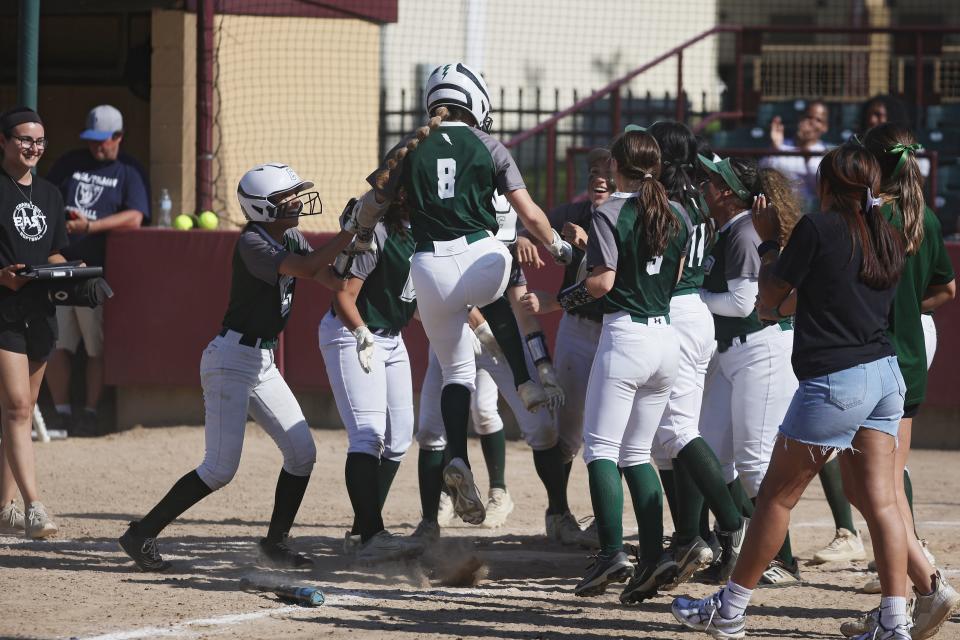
{"points": [[87, 194], [29, 221]]}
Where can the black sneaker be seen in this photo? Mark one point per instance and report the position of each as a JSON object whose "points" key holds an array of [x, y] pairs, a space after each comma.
{"points": [[730, 544], [606, 568], [85, 426], [648, 578], [143, 551], [280, 556], [690, 558]]}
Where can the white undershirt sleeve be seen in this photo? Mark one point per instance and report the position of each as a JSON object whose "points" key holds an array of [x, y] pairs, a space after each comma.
{"points": [[738, 302]]}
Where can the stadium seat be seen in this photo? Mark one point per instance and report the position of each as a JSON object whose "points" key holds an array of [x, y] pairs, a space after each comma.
{"points": [[743, 138], [940, 140], [943, 116]]}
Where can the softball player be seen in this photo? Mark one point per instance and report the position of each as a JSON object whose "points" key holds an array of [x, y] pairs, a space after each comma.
{"points": [[926, 282], [696, 469], [450, 178], [369, 372], [577, 337], [635, 253], [238, 372], [750, 382]]}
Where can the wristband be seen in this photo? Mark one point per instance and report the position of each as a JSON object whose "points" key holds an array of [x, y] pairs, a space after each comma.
{"points": [[537, 345], [768, 245], [575, 296]]}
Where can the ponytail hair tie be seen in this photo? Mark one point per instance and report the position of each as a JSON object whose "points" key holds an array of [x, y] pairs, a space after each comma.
{"points": [[904, 150], [871, 202], [648, 176]]}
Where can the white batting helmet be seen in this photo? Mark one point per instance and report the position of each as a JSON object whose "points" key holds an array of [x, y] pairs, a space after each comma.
{"points": [[458, 85], [266, 186]]}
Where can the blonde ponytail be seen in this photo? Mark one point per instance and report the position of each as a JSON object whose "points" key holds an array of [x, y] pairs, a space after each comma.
{"points": [[396, 158]]}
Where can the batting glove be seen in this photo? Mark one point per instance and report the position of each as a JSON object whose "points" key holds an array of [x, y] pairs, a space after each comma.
{"points": [[489, 342], [551, 385], [364, 347], [560, 249]]}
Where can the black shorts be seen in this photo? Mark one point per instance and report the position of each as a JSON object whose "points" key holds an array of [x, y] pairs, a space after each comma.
{"points": [[36, 337], [911, 410]]}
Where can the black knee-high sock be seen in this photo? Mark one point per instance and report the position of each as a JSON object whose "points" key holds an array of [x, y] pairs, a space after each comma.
{"points": [[494, 447], [386, 472], [697, 470], [741, 498], [503, 324], [670, 491], [186, 492], [908, 489], [286, 503], [361, 476], [832, 483], [550, 468], [430, 475], [455, 408]]}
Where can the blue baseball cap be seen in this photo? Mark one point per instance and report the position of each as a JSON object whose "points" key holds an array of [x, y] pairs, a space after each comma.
{"points": [[102, 123]]}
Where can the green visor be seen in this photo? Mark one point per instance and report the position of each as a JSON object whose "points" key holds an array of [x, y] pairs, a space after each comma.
{"points": [[634, 127], [724, 169]]}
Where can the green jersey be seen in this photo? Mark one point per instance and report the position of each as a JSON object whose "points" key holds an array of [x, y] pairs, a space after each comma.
{"points": [[930, 265], [386, 299], [260, 297], [701, 242], [734, 256], [644, 283], [449, 182]]}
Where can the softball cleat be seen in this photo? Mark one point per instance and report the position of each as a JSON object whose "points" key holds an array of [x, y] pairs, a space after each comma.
{"points": [[467, 502]]}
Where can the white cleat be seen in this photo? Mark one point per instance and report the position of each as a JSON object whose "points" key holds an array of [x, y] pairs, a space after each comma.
{"points": [[388, 547], [445, 514], [563, 528], [499, 506], [846, 546]]}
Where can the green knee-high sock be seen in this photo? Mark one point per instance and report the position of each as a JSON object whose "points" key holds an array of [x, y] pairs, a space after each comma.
{"points": [[286, 502], [698, 461], [361, 475], [386, 472], [494, 447], [908, 489], [648, 506], [430, 475], [689, 504], [503, 324], [741, 498], [455, 409], [553, 474], [670, 491], [832, 483], [606, 494], [785, 555]]}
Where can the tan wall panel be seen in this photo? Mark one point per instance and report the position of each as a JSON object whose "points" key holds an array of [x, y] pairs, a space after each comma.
{"points": [[302, 91]]}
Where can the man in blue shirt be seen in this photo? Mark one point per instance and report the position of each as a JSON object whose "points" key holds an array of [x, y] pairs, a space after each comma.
{"points": [[103, 189]]}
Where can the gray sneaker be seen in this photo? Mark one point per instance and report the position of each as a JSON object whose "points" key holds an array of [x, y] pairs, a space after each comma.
{"points": [[605, 568], [589, 538], [900, 632], [932, 610], [467, 502], [704, 615], [690, 558], [38, 523], [12, 520], [864, 624], [427, 532], [563, 528]]}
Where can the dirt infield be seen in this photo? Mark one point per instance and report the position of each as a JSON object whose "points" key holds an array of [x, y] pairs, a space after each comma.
{"points": [[80, 585]]}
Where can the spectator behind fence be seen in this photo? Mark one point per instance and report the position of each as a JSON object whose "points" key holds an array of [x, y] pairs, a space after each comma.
{"points": [[802, 171], [103, 190], [880, 109]]}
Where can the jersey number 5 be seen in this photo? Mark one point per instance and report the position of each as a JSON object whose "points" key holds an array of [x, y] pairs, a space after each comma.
{"points": [[446, 176]]}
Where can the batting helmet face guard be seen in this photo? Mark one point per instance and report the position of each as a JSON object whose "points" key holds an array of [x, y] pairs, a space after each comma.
{"points": [[457, 85], [274, 190]]}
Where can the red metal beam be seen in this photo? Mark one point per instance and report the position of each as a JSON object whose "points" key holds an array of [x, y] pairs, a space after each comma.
{"points": [[204, 172]]}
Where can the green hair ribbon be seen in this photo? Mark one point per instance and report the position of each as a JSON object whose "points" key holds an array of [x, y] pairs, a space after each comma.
{"points": [[904, 150]]}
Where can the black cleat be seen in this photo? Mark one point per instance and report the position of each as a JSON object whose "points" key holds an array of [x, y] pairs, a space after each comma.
{"points": [[143, 551], [648, 578], [280, 556]]}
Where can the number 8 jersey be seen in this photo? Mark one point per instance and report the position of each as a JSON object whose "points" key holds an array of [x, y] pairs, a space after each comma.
{"points": [[450, 180]]}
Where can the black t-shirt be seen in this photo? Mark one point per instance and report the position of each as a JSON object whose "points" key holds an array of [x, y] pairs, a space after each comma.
{"points": [[840, 322], [32, 223]]}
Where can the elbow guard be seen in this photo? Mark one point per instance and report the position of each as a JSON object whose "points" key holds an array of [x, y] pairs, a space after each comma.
{"points": [[575, 296]]}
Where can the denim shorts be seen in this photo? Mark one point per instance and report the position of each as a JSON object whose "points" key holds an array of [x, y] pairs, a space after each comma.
{"points": [[829, 410]]}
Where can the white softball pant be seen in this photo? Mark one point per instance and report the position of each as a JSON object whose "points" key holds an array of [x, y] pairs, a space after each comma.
{"points": [[448, 280], [748, 389], [929, 336], [492, 376], [577, 340], [693, 324], [376, 407], [630, 380], [238, 380]]}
